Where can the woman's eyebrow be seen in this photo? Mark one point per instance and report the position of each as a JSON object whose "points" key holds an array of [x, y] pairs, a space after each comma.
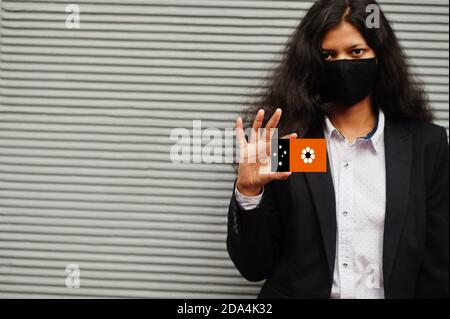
{"points": [[351, 47], [356, 45]]}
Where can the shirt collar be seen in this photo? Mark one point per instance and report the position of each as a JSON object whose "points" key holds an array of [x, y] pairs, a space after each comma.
{"points": [[375, 136]]}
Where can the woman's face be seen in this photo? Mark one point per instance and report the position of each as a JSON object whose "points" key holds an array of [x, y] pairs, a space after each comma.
{"points": [[344, 42]]}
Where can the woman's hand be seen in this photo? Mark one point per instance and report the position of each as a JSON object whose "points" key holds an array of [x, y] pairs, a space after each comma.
{"points": [[254, 164]]}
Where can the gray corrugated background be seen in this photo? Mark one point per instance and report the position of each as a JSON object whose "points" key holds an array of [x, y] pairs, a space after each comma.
{"points": [[85, 118]]}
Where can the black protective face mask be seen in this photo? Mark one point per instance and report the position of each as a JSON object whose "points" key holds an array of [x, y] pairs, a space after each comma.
{"points": [[347, 82]]}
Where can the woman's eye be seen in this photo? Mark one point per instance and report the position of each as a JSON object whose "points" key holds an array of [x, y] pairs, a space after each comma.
{"points": [[326, 55], [358, 52]]}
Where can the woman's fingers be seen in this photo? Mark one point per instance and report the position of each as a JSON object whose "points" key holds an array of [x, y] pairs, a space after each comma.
{"points": [[257, 123], [290, 136], [274, 120], [240, 133], [240, 129], [272, 124], [280, 176]]}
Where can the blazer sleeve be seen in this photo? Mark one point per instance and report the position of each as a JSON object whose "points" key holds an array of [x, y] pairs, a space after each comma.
{"points": [[253, 236], [433, 279]]}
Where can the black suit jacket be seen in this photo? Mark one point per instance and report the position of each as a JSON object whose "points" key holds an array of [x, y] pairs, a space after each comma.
{"points": [[290, 238]]}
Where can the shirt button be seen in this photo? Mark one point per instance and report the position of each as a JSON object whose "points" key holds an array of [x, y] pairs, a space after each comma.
{"points": [[345, 265], [345, 213], [346, 164]]}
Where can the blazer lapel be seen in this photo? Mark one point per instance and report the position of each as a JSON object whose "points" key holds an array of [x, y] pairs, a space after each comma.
{"points": [[398, 153], [322, 190]]}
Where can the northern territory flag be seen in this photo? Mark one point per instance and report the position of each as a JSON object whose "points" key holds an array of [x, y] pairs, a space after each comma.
{"points": [[299, 155]]}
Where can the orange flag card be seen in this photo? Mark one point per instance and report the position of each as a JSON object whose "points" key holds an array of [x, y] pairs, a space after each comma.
{"points": [[308, 155], [299, 155]]}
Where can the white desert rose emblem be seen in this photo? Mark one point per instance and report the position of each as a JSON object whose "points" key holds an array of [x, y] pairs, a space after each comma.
{"points": [[308, 155]]}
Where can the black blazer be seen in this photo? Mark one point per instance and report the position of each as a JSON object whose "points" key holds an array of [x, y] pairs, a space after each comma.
{"points": [[290, 238]]}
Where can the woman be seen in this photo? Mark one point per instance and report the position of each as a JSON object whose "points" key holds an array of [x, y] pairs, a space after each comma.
{"points": [[376, 224]]}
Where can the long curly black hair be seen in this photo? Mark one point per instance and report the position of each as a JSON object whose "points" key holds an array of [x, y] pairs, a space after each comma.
{"points": [[293, 85]]}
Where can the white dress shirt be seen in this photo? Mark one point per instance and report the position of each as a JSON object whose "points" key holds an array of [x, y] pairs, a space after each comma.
{"points": [[359, 178]]}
